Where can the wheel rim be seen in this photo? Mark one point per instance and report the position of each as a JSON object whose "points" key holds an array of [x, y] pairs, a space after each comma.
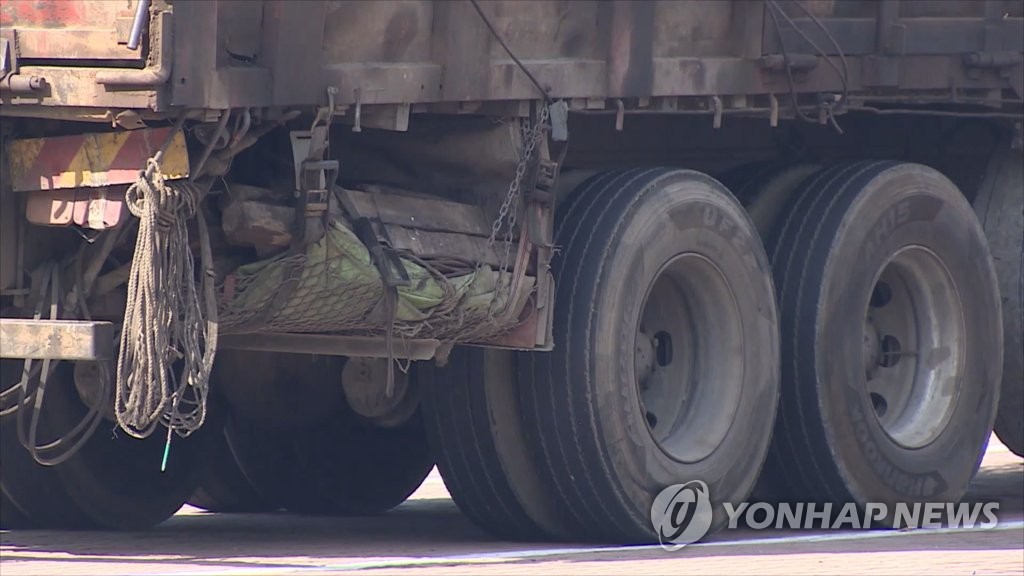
{"points": [[913, 347], [688, 340]]}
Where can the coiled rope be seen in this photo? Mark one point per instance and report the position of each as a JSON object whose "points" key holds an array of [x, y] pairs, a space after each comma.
{"points": [[169, 337]]}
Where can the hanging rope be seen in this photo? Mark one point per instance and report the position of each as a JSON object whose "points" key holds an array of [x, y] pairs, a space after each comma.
{"points": [[169, 337]]}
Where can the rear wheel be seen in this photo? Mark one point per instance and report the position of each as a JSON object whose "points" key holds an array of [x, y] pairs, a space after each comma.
{"points": [[343, 464], [116, 480], [1000, 207], [333, 469], [666, 367], [11, 517], [222, 485], [474, 424], [279, 389], [113, 481], [765, 189], [891, 340], [29, 487]]}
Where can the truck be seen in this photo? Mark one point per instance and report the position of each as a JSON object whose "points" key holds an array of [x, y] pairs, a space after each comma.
{"points": [[294, 254]]}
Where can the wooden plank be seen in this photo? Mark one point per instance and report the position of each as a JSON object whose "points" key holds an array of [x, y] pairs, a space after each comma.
{"points": [[429, 245], [421, 213]]}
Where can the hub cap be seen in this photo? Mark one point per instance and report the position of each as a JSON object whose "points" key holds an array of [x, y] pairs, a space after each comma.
{"points": [[688, 345], [913, 347]]}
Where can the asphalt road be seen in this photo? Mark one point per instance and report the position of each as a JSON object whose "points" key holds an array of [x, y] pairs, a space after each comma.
{"points": [[427, 535]]}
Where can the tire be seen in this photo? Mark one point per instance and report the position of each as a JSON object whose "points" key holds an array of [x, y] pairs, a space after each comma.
{"points": [[11, 517], [375, 469], [870, 256], [649, 257], [115, 479], [474, 426], [764, 189], [1000, 207], [31, 488], [222, 485], [263, 456], [251, 384], [339, 467]]}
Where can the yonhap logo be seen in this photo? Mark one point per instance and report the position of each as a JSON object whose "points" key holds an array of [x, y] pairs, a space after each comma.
{"points": [[681, 514]]}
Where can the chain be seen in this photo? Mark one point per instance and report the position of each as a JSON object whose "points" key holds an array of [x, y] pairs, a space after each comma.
{"points": [[508, 213]]}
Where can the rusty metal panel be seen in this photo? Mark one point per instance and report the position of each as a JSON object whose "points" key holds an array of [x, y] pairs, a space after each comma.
{"points": [[465, 50], [71, 44], [279, 52], [699, 28], [553, 29], [373, 31], [67, 30], [92, 160], [224, 55], [293, 48], [630, 48]]}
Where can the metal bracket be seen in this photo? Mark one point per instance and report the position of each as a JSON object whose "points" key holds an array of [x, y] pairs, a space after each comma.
{"points": [[10, 80], [314, 176], [1009, 65], [8, 58], [331, 345], [716, 106], [558, 113], [797, 62], [56, 339], [318, 178]]}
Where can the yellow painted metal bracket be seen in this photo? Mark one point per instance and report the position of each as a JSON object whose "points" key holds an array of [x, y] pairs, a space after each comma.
{"points": [[93, 160]]}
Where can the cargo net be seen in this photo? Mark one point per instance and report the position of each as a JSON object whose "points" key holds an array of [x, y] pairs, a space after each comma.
{"points": [[334, 286]]}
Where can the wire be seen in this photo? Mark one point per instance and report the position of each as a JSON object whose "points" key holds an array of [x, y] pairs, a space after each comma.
{"points": [[842, 74], [785, 59], [519, 63], [845, 76], [33, 400]]}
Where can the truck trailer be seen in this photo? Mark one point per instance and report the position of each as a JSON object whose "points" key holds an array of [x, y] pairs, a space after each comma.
{"points": [[290, 254]]}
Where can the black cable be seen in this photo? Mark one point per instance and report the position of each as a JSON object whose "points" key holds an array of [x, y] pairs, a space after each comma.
{"points": [[842, 74], [519, 63], [845, 76], [85, 427], [786, 63], [33, 400]]}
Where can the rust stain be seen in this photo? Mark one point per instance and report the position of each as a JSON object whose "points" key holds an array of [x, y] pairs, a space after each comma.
{"points": [[400, 32], [46, 13]]}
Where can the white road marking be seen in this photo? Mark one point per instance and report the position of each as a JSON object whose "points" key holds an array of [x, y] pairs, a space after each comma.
{"points": [[498, 557]]}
